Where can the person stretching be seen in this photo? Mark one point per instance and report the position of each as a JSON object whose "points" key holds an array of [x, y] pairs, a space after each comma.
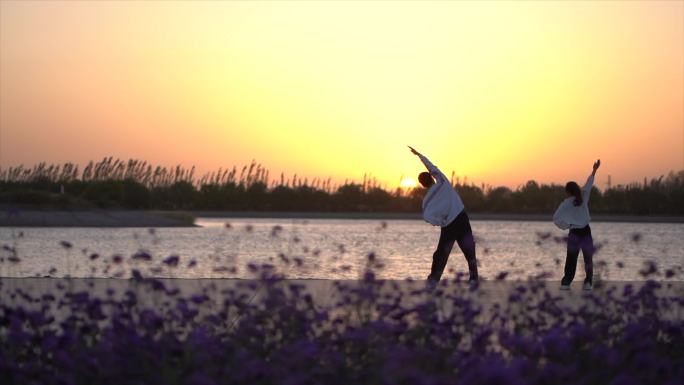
{"points": [[573, 214], [442, 206]]}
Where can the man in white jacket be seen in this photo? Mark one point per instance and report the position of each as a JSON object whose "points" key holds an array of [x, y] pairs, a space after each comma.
{"points": [[443, 207]]}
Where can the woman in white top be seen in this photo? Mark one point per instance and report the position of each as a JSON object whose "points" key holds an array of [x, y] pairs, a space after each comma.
{"points": [[573, 214], [442, 206]]}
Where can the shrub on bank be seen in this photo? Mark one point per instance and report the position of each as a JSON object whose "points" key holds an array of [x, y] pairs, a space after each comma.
{"points": [[134, 184]]}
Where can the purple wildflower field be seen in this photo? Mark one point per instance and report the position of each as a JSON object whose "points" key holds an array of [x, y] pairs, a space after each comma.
{"points": [[273, 330]]}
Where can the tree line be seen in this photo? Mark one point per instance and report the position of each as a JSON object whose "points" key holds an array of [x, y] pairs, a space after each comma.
{"points": [[135, 184]]}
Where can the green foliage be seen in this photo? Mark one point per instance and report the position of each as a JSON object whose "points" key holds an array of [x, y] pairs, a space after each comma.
{"points": [[182, 216], [136, 184], [105, 193], [135, 195]]}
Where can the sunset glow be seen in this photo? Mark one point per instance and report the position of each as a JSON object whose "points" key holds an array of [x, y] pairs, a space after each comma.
{"points": [[498, 92], [408, 183]]}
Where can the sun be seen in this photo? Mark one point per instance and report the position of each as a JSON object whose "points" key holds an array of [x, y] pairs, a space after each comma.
{"points": [[408, 183]]}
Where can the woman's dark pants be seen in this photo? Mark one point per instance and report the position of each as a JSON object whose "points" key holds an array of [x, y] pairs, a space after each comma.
{"points": [[579, 239], [458, 231]]}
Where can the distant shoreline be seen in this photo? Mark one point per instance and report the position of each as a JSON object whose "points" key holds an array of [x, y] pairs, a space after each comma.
{"points": [[95, 218], [418, 216], [144, 218]]}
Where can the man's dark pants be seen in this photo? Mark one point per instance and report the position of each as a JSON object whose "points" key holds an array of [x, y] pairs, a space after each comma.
{"points": [[458, 231]]}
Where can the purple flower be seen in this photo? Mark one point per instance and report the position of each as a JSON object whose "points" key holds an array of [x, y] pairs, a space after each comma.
{"points": [[199, 299], [275, 230], [543, 235], [136, 275], [198, 378], [172, 260], [142, 256], [650, 268]]}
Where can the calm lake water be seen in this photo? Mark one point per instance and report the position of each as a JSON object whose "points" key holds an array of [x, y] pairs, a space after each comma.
{"points": [[334, 249]]}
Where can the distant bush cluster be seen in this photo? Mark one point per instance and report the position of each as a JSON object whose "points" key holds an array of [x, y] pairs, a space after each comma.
{"points": [[137, 184]]}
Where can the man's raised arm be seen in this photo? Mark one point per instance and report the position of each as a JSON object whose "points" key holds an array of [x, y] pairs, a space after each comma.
{"points": [[430, 167]]}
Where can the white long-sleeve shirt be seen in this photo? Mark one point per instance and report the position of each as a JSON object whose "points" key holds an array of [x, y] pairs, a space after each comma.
{"points": [[569, 216], [441, 204]]}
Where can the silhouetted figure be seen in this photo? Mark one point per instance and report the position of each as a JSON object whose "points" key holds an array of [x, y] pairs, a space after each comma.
{"points": [[573, 214], [443, 207]]}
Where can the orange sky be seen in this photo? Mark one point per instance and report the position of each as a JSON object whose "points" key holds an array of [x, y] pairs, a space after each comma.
{"points": [[500, 92]]}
